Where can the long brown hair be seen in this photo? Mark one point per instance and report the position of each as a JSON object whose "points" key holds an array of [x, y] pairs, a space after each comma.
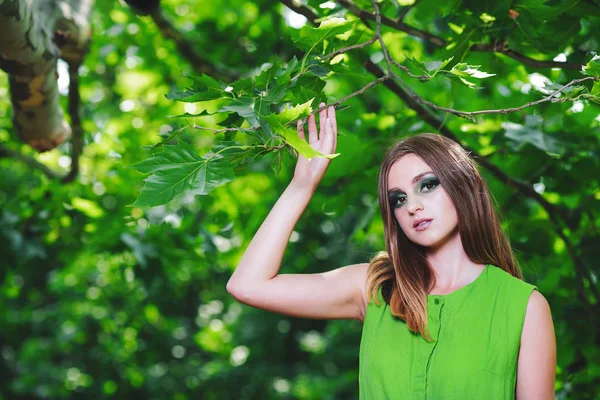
{"points": [[403, 272]]}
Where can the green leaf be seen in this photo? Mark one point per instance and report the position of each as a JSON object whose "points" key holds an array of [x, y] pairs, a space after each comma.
{"points": [[317, 70], [460, 71], [275, 94], [267, 76], [291, 137], [594, 94], [520, 135], [469, 71], [179, 169], [417, 64], [242, 87], [566, 93], [434, 66], [193, 96], [430, 68], [592, 68], [167, 137], [541, 11], [206, 88], [188, 115], [461, 80], [285, 78], [593, 98], [205, 81], [595, 89], [244, 107], [574, 92], [307, 87], [291, 114], [307, 37]]}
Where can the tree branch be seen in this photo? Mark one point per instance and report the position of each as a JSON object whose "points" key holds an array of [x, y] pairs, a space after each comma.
{"points": [[76, 138], [353, 47], [384, 49], [486, 47], [301, 9], [316, 111], [471, 114], [401, 26], [414, 102], [35, 35], [221, 130], [396, 24], [5, 152], [74, 112], [406, 10]]}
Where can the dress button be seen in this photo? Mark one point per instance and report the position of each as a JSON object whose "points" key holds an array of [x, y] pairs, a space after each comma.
{"points": [[437, 301]]}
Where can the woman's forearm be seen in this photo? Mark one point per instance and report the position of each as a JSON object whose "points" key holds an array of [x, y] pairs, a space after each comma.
{"points": [[264, 254]]}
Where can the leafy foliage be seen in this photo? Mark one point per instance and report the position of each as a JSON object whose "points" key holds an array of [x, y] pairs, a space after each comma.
{"points": [[179, 169]]}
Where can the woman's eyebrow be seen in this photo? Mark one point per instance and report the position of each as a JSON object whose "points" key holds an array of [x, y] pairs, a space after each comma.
{"points": [[414, 180], [422, 174]]}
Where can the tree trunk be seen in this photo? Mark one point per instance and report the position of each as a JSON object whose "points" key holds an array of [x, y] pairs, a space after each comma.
{"points": [[34, 34]]}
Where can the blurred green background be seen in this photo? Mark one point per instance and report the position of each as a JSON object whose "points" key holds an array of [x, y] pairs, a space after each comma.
{"points": [[99, 299]]}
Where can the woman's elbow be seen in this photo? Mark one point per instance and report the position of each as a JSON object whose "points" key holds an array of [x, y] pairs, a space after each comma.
{"points": [[237, 291]]}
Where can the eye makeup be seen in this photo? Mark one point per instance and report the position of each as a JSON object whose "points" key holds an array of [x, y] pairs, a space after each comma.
{"points": [[427, 184], [396, 197]]}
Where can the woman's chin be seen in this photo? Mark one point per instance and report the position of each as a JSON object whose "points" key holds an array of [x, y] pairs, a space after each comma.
{"points": [[433, 241]]}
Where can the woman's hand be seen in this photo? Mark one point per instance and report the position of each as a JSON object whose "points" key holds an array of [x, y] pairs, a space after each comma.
{"points": [[310, 172]]}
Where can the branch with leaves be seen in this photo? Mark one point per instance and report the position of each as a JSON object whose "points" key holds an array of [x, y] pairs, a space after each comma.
{"points": [[262, 106], [34, 37], [76, 138], [499, 47], [265, 106]]}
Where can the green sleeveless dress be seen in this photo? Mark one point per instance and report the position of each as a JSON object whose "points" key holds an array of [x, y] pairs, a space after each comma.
{"points": [[477, 334]]}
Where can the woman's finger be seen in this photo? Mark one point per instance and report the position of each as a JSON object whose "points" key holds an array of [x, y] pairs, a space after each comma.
{"points": [[312, 129], [328, 138], [300, 127], [331, 116], [322, 121]]}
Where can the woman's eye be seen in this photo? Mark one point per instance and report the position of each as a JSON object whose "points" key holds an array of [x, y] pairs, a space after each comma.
{"points": [[398, 201], [429, 185]]}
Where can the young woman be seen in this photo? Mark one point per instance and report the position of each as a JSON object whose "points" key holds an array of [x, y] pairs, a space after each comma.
{"points": [[445, 312]]}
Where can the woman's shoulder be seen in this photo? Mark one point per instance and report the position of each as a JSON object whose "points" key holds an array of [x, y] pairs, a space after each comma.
{"points": [[504, 280]]}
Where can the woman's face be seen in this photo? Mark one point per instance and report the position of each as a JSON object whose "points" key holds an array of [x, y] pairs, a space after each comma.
{"points": [[415, 194]]}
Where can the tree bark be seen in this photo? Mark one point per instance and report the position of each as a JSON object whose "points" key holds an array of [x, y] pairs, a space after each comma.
{"points": [[34, 34]]}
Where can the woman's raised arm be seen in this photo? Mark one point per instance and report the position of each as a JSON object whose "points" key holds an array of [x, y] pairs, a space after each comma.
{"points": [[336, 294]]}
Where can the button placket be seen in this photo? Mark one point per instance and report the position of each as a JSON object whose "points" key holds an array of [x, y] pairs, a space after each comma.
{"points": [[435, 312]]}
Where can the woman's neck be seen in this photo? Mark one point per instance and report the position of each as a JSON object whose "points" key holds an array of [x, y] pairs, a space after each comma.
{"points": [[452, 267]]}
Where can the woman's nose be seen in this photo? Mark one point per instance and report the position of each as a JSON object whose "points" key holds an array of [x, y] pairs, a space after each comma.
{"points": [[414, 205]]}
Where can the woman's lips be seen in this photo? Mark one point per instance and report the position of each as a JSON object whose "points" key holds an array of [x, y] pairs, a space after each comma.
{"points": [[423, 225]]}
